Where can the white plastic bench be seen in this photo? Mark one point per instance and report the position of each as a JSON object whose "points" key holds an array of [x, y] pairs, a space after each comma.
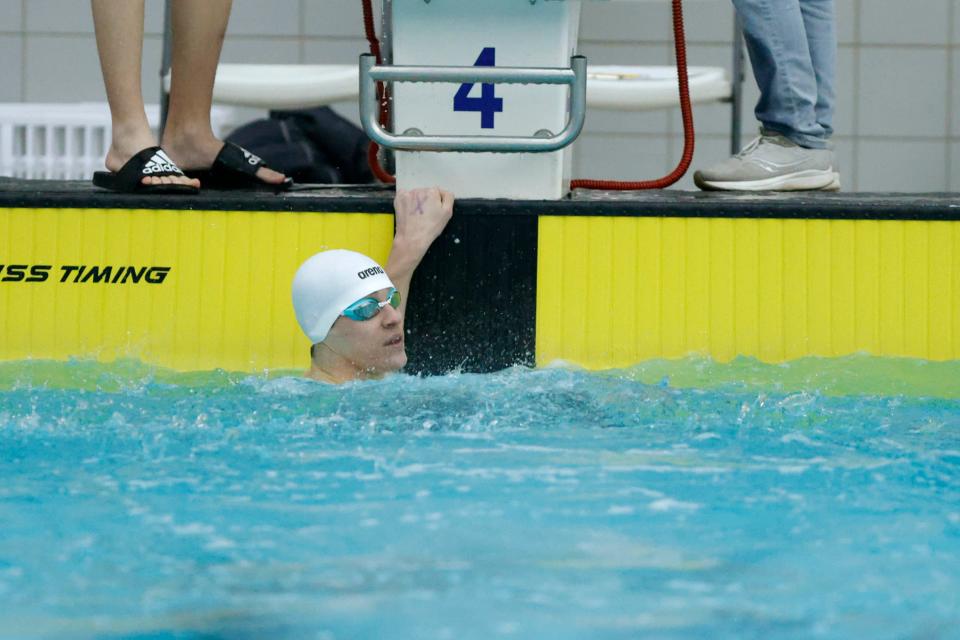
{"points": [[294, 86]]}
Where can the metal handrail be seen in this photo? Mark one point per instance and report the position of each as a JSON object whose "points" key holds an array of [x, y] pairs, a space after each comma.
{"points": [[575, 77]]}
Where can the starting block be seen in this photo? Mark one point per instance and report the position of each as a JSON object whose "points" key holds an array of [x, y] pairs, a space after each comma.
{"points": [[487, 96]]}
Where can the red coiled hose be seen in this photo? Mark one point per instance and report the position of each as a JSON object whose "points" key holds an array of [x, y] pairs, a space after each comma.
{"points": [[373, 152], [680, 46], [686, 111]]}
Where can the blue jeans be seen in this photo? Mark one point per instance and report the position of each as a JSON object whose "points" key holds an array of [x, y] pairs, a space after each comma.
{"points": [[793, 49]]}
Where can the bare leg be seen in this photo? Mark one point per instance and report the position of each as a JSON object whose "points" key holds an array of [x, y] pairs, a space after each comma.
{"points": [[198, 30], [119, 28]]}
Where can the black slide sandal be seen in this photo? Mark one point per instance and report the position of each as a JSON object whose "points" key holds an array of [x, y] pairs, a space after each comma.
{"points": [[236, 168], [151, 162]]}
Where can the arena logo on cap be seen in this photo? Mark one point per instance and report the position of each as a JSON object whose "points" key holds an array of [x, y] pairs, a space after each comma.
{"points": [[372, 271]]}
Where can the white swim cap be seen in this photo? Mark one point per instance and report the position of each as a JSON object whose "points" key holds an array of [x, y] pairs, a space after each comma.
{"points": [[328, 283]]}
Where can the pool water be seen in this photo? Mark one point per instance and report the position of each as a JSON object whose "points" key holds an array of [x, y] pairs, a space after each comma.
{"points": [[685, 500]]}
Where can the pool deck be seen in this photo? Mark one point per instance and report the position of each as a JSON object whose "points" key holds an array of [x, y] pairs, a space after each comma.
{"points": [[16, 193]]}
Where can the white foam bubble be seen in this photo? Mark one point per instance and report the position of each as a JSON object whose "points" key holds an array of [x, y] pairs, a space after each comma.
{"points": [[620, 510], [669, 504]]}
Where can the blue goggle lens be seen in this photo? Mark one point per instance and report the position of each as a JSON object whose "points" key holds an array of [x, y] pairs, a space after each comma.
{"points": [[368, 308]]}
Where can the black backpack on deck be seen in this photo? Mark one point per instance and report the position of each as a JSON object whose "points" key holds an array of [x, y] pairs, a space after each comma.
{"points": [[313, 146]]}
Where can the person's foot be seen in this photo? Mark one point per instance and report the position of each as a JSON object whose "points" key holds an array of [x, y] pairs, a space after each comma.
{"points": [[196, 153], [835, 184], [772, 163], [124, 147]]}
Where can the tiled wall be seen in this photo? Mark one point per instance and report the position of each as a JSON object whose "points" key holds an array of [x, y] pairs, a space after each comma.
{"points": [[897, 121]]}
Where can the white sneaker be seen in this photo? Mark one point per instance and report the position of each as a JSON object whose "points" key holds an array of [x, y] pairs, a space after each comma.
{"points": [[771, 162]]}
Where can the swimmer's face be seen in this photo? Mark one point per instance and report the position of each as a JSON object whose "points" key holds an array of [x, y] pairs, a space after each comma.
{"points": [[375, 346]]}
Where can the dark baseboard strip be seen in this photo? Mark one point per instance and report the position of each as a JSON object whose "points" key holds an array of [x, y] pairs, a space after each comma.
{"points": [[37, 194]]}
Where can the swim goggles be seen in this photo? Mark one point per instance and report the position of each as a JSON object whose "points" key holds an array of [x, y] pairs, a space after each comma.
{"points": [[367, 308]]}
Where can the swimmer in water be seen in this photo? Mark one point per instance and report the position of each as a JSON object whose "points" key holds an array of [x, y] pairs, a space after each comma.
{"points": [[352, 309]]}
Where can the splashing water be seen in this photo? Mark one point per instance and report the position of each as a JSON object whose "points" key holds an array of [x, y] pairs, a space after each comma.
{"points": [[672, 500]]}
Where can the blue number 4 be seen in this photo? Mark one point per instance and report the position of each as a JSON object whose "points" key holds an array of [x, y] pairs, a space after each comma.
{"points": [[488, 103]]}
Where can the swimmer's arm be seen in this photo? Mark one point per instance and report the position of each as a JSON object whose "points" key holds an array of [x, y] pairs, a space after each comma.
{"points": [[421, 216], [400, 268]]}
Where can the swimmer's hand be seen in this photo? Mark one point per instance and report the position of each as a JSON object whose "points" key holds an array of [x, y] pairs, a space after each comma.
{"points": [[421, 216]]}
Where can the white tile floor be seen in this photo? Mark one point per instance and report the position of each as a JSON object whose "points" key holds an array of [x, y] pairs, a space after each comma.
{"points": [[58, 16], [903, 92], [11, 49], [954, 167], [887, 22], [11, 13], [274, 18], [906, 166], [955, 101], [955, 38]]}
